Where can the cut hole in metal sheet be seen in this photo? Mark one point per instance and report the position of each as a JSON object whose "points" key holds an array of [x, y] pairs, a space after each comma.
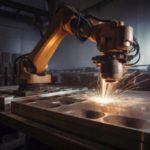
{"points": [[128, 122], [91, 114], [46, 104], [68, 101]]}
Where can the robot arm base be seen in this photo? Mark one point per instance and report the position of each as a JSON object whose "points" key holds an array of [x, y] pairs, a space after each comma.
{"points": [[35, 82], [34, 78]]}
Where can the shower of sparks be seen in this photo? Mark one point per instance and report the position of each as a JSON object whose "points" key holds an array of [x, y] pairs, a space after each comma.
{"points": [[101, 96], [129, 82], [113, 92], [101, 100]]}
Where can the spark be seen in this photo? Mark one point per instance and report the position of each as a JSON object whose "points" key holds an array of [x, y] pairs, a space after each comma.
{"points": [[115, 92], [101, 100], [129, 87]]}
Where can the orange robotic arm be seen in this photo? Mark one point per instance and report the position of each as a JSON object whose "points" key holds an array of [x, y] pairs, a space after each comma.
{"points": [[113, 39], [31, 68], [58, 29]]}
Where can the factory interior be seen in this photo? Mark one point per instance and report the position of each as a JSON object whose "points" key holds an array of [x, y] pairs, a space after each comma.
{"points": [[74, 75]]}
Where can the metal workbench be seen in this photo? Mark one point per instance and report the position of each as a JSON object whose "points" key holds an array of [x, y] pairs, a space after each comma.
{"points": [[49, 135], [66, 127]]}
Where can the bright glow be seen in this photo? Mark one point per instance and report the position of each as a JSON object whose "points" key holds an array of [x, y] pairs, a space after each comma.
{"points": [[101, 100]]}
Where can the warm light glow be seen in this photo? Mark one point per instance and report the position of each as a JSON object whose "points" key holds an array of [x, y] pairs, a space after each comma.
{"points": [[101, 100]]}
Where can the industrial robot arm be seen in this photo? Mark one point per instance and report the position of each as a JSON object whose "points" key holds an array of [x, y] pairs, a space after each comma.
{"points": [[114, 41]]}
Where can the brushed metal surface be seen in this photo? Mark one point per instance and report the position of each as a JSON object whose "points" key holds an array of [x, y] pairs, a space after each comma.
{"points": [[123, 124]]}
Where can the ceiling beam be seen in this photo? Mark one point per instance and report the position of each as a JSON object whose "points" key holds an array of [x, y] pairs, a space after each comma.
{"points": [[99, 5], [21, 17], [25, 8], [53, 5]]}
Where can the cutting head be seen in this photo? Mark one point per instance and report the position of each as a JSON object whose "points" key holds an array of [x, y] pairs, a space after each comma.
{"points": [[115, 42]]}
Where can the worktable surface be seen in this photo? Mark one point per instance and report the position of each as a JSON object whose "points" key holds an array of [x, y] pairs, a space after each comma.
{"points": [[49, 135], [66, 140]]}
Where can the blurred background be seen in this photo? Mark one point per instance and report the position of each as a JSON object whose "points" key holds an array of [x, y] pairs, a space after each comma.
{"points": [[24, 22]]}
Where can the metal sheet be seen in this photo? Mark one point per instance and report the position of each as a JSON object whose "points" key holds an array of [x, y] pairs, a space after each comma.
{"points": [[126, 123], [9, 93]]}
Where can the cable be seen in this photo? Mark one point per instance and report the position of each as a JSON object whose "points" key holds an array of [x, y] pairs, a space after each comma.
{"points": [[96, 18], [139, 56], [16, 61], [136, 48], [24, 59]]}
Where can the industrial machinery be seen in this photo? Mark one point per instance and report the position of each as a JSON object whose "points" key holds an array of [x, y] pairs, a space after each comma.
{"points": [[74, 118], [114, 40]]}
